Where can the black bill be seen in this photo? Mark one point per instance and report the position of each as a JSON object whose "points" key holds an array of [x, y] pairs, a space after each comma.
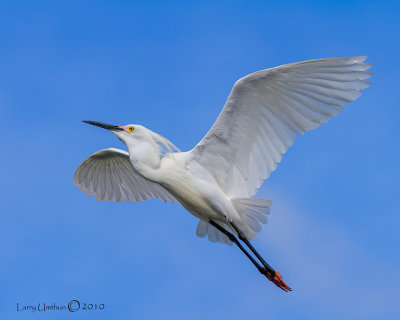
{"points": [[104, 125]]}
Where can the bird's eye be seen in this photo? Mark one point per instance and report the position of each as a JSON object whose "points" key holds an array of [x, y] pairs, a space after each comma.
{"points": [[131, 129]]}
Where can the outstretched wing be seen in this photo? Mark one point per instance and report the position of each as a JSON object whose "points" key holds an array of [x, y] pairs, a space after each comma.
{"points": [[109, 176], [267, 109]]}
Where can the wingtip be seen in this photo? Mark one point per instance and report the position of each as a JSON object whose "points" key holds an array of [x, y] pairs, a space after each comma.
{"points": [[368, 65]]}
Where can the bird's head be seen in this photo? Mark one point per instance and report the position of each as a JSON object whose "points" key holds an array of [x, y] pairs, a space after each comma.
{"points": [[132, 135]]}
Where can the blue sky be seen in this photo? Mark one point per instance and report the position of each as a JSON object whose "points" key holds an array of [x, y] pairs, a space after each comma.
{"points": [[333, 232]]}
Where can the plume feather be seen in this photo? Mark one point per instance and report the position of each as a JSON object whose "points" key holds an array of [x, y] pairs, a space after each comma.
{"points": [[164, 142]]}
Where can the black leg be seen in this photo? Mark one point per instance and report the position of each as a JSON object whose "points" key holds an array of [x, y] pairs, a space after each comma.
{"points": [[249, 245], [267, 270], [235, 241]]}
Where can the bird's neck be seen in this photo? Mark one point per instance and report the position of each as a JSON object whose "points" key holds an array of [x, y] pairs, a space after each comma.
{"points": [[145, 158]]}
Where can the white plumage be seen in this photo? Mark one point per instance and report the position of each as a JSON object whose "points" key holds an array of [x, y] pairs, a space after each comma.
{"points": [[261, 118], [108, 174], [266, 110], [216, 180]]}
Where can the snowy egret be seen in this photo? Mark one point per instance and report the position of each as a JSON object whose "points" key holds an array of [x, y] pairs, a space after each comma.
{"points": [[215, 181]]}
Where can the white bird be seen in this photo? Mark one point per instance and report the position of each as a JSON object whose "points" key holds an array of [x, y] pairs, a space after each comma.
{"points": [[215, 181]]}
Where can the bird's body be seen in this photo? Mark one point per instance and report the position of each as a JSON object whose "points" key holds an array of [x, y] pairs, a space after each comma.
{"points": [[215, 181], [194, 187], [185, 179]]}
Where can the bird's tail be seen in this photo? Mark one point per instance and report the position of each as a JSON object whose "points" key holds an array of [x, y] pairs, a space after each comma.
{"points": [[253, 212]]}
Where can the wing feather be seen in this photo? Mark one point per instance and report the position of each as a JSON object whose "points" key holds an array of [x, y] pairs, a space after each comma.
{"points": [[109, 176], [266, 110]]}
